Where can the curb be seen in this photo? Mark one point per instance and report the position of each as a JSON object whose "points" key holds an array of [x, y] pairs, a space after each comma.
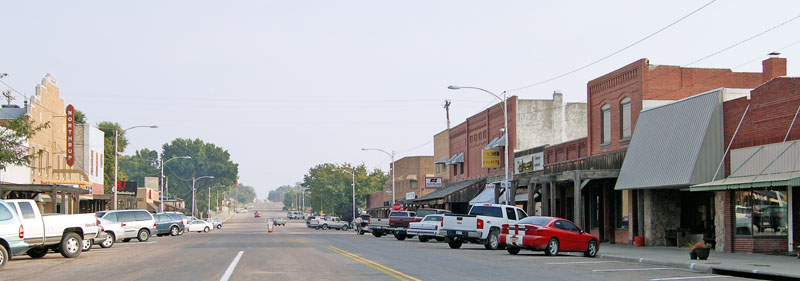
{"points": [[697, 267]]}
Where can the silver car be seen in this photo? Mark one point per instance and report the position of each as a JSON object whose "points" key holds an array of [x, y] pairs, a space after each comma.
{"points": [[109, 233], [138, 224]]}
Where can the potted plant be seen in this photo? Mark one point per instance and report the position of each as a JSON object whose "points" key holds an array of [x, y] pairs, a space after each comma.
{"points": [[796, 246], [700, 251]]}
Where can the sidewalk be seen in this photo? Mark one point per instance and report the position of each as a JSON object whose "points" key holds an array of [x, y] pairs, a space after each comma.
{"points": [[758, 264]]}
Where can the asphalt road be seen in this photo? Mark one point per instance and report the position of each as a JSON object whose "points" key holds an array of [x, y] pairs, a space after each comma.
{"points": [[243, 250]]}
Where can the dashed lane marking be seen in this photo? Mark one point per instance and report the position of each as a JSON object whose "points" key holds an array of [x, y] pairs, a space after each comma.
{"points": [[581, 262], [229, 271], [633, 269], [690, 277], [382, 268]]}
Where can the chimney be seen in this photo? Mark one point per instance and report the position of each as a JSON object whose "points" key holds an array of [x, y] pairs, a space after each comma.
{"points": [[773, 67]]}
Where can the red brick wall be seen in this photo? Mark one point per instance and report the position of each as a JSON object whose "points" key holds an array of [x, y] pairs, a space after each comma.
{"points": [[458, 144], [564, 151], [622, 236], [761, 244], [642, 81], [728, 218]]}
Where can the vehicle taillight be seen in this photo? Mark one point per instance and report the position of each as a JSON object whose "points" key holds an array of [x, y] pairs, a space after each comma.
{"points": [[441, 222], [182, 222], [369, 221], [531, 229], [154, 224], [504, 230], [480, 224], [102, 229], [21, 232]]}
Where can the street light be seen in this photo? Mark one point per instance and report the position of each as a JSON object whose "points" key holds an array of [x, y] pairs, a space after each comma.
{"points": [[161, 180], [353, 171], [391, 155], [116, 153], [504, 100], [194, 197]]}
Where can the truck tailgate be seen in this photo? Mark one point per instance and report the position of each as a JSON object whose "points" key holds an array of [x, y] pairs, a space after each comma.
{"points": [[56, 224], [460, 222]]}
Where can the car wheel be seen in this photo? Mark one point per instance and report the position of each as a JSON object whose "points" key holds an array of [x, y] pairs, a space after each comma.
{"points": [[423, 239], [70, 246], [344, 228], [207, 229], [400, 236], [377, 234], [37, 252], [3, 256], [324, 227], [86, 245], [513, 250], [109, 241], [219, 226], [126, 240], [143, 236], [492, 242], [591, 249], [552, 247], [454, 244], [174, 231]]}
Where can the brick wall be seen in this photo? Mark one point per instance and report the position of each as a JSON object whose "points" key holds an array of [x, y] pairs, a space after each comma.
{"points": [[566, 151], [756, 244]]}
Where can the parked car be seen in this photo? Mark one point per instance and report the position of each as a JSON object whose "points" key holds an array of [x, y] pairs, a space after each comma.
{"points": [[428, 228], [296, 215], [137, 223], [114, 231], [216, 222], [335, 223], [398, 223], [379, 226], [309, 219], [549, 234], [318, 222], [168, 224], [257, 214], [279, 221], [63, 233], [482, 225], [12, 240], [199, 226]]}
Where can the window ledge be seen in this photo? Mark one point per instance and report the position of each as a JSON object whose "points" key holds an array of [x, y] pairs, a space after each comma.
{"points": [[625, 139], [605, 144]]}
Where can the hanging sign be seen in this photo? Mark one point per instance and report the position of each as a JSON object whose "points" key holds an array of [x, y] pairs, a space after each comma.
{"points": [[70, 135], [491, 158]]}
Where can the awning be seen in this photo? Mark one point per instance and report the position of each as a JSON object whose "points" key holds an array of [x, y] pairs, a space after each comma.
{"points": [[485, 197], [758, 181], [442, 160], [496, 142], [411, 177], [457, 158], [450, 189], [759, 166], [524, 197]]}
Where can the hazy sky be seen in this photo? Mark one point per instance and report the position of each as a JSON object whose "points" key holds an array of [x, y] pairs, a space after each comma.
{"points": [[285, 85]]}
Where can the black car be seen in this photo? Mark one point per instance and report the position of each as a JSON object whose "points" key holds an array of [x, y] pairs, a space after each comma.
{"points": [[169, 224]]}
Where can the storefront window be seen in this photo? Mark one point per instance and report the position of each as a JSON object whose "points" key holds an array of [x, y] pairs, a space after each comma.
{"points": [[621, 209], [761, 212], [595, 209]]}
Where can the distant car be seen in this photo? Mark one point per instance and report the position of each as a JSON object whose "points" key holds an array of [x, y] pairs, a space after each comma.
{"points": [[199, 226], [11, 234], [257, 214], [549, 234], [318, 222], [168, 224], [309, 219], [279, 221], [336, 223], [216, 222], [428, 228]]}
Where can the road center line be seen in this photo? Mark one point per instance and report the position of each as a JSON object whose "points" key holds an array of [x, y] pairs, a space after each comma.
{"points": [[633, 269], [581, 262], [382, 268], [690, 277], [231, 267]]}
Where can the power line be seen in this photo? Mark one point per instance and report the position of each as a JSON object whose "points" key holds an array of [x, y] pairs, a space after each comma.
{"points": [[614, 53]]}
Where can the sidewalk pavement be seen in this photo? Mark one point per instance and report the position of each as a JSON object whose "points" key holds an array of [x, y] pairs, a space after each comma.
{"points": [[756, 264]]}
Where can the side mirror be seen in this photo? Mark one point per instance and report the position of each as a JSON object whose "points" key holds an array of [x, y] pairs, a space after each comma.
{"points": [[581, 231]]}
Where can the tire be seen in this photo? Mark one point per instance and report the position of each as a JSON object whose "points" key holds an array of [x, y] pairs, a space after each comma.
{"points": [[174, 230], [400, 236], [207, 229], [591, 249], [219, 226], [3, 256], [324, 227], [552, 247], [344, 228], [360, 232], [454, 244], [492, 241], [143, 235], [37, 253], [423, 239], [377, 234], [513, 250], [70, 246], [86, 245], [109, 241], [126, 240]]}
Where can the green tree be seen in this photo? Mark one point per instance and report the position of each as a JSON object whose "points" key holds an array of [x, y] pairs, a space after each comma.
{"points": [[243, 193], [14, 135], [330, 188], [143, 164], [108, 129], [80, 118]]}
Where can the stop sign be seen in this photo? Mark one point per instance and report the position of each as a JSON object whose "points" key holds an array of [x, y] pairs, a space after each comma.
{"points": [[397, 207]]}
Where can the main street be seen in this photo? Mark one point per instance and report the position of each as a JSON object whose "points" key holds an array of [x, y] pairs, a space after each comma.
{"points": [[294, 252]]}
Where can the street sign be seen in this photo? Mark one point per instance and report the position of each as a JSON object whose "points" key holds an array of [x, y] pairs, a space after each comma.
{"points": [[397, 207], [505, 184]]}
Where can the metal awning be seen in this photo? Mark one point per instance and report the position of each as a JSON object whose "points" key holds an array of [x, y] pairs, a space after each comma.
{"points": [[411, 177], [486, 196], [756, 181], [496, 142], [442, 160], [524, 197], [457, 158]]}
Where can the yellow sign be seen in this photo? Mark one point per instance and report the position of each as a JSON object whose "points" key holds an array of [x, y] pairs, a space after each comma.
{"points": [[491, 158]]}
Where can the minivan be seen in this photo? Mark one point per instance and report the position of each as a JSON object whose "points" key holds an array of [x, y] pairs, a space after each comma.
{"points": [[138, 224]]}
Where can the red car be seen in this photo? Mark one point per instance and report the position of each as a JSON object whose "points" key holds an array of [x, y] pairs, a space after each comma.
{"points": [[258, 215], [548, 234]]}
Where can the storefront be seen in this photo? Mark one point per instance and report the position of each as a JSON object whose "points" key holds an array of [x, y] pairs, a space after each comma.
{"points": [[454, 197]]}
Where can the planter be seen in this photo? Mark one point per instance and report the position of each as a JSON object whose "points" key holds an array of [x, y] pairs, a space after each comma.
{"points": [[638, 241], [702, 253], [693, 255]]}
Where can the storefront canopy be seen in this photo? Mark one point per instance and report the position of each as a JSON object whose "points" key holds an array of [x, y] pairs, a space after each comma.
{"points": [[457, 158], [485, 197], [451, 189], [760, 166], [442, 160], [496, 142], [758, 181]]}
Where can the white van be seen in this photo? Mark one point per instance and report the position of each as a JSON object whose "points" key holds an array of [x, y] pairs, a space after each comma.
{"points": [[138, 224]]}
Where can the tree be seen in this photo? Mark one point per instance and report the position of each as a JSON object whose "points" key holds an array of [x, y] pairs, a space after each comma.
{"points": [[80, 118], [330, 187], [108, 129], [14, 135], [243, 193], [143, 164]]}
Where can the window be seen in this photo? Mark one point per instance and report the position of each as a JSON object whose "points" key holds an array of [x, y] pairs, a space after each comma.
{"points": [[595, 208], [27, 210], [433, 218], [413, 183], [510, 214], [761, 212], [488, 211], [125, 217], [568, 226], [621, 209], [444, 168], [462, 167], [5, 214], [625, 117], [47, 161], [438, 168], [521, 214], [542, 221], [606, 124]]}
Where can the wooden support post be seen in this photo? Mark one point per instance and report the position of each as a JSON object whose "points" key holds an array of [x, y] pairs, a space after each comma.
{"points": [[53, 199], [531, 202], [577, 208], [63, 203], [546, 199]]}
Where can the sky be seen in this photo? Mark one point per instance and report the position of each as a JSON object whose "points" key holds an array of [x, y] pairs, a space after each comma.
{"points": [[286, 85]]}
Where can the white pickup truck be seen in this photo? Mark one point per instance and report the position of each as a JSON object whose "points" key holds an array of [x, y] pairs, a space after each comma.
{"points": [[63, 233], [482, 225]]}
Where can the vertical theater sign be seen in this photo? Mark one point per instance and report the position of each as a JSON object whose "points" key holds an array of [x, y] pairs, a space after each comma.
{"points": [[70, 135]]}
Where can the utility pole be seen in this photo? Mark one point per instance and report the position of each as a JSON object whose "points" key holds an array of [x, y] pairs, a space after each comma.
{"points": [[8, 96], [447, 109]]}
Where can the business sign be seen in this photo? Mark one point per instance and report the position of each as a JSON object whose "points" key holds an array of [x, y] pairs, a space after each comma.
{"points": [[70, 135], [127, 188], [491, 158], [411, 195], [529, 163], [434, 182]]}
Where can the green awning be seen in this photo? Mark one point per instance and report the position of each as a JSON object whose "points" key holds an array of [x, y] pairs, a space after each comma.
{"points": [[756, 181]]}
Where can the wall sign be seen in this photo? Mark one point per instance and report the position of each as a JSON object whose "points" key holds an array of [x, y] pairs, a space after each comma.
{"points": [[433, 182], [70, 135], [127, 188], [529, 163], [491, 158]]}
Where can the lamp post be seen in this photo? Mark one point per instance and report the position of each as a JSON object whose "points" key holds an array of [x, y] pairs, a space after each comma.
{"points": [[161, 179], [354, 193], [194, 197], [504, 100], [116, 153], [391, 155]]}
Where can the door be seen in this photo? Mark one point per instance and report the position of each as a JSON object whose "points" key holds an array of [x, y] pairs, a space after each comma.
{"points": [[565, 235], [128, 221], [162, 223], [32, 223]]}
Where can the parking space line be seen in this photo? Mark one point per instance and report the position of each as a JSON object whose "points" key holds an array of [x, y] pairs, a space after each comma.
{"points": [[634, 269], [690, 277], [581, 262], [382, 268], [231, 267]]}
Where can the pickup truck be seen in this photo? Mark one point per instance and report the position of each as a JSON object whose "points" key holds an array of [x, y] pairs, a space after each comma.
{"points": [[379, 226], [482, 225], [336, 223], [398, 223], [63, 233]]}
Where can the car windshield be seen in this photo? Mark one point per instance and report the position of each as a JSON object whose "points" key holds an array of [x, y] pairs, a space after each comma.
{"points": [[541, 221], [488, 211]]}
